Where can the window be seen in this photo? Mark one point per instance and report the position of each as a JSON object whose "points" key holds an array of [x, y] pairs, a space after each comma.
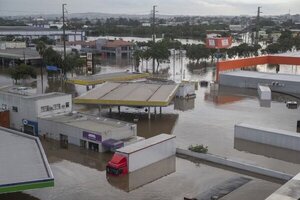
{"points": [[15, 108], [56, 106], [44, 108], [67, 104]]}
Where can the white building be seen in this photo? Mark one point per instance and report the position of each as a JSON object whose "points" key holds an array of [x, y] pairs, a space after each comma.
{"points": [[25, 107], [237, 28], [95, 133]]}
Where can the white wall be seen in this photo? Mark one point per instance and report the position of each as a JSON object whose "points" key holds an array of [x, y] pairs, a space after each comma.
{"points": [[62, 100], [30, 109], [152, 154], [274, 137], [26, 109]]}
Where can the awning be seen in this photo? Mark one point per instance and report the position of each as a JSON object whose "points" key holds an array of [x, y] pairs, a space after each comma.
{"points": [[112, 144]]}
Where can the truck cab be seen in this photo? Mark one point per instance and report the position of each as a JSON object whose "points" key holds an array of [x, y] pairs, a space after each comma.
{"points": [[117, 165]]}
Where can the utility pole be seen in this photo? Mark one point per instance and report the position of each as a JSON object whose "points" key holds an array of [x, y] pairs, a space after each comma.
{"points": [[257, 25], [153, 35], [64, 29]]}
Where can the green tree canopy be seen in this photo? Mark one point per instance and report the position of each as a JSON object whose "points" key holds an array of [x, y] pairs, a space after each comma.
{"points": [[22, 72]]}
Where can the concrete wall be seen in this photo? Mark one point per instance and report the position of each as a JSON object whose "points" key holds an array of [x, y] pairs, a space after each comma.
{"points": [[53, 130], [274, 137], [61, 100], [236, 164]]}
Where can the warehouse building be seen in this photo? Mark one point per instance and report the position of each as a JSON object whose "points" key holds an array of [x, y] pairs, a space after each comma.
{"points": [[25, 107], [94, 133]]}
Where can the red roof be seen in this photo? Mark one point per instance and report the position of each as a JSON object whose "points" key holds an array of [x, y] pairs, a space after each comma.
{"points": [[117, 43]]}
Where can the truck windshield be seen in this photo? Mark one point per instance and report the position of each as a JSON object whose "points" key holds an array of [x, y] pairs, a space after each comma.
{"points": [[114, 171]]}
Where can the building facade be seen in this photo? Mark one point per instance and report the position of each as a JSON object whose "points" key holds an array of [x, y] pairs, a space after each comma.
{"points": [[25, 108], [87, 131]]}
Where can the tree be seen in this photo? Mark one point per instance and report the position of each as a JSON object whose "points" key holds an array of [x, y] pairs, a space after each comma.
{"points": [[197, 52], [273, 48], [22, 72], [71, 62], [159, 52], [52, 57]]}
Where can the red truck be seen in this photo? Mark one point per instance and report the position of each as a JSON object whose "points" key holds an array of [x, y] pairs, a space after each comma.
{"points": [[141, 154]]}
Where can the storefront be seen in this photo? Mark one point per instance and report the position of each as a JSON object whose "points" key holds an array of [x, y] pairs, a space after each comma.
{"points": [[93, 140], [30, 127]]}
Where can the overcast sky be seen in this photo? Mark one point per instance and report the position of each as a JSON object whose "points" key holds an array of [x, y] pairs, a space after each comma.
{"points": [[178, 7]]}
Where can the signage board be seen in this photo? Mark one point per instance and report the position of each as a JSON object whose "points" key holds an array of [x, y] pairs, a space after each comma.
{"points": [[92, 136]]}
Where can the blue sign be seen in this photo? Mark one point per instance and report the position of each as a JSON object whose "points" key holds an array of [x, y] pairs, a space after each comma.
{"points": [[33, 124], [53, 68]]}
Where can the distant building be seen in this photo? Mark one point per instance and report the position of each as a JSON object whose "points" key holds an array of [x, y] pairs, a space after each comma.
{"points": [[115, 48], [236, 28], [25, 107], [14, 56], [12, 45], [146, 24], [32, 32]]}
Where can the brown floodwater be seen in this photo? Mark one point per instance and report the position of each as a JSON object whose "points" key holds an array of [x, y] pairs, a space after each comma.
{"points": [[209, 119]]}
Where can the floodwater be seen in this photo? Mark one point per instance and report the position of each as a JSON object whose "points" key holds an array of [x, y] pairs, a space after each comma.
{"points": [[209, 119], [80, 174]]}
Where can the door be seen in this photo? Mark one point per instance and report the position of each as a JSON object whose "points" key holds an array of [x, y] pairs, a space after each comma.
{"points": [[94, 146], [28, 129], [63, 141]]}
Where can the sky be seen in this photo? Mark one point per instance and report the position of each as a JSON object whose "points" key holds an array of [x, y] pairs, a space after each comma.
{"points": [[174, 7]]}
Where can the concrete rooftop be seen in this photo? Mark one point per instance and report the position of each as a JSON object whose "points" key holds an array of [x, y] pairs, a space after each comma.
{"points": [[88, 122]]}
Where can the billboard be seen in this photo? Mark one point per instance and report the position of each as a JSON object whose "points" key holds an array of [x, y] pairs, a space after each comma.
{"points": [[89, 63], [219, 42]]}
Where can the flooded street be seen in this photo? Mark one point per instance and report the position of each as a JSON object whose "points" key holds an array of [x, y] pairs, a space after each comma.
{"points": [[80, 174], [209, 120]]}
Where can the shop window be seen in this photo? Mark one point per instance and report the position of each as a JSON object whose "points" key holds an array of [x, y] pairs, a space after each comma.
{"points": [[15, 108]]}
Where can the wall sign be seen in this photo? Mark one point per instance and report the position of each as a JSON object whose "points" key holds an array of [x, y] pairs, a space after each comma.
{"points": [[92, 136]]}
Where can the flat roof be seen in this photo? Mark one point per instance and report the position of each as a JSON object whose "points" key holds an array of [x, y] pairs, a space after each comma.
{"points": [[91, 123], [24, 28], [101, 78], [28, 53], [28, 93], [23, 162], [289, 191], [145, 143], [263, 75], [130, 94]]}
